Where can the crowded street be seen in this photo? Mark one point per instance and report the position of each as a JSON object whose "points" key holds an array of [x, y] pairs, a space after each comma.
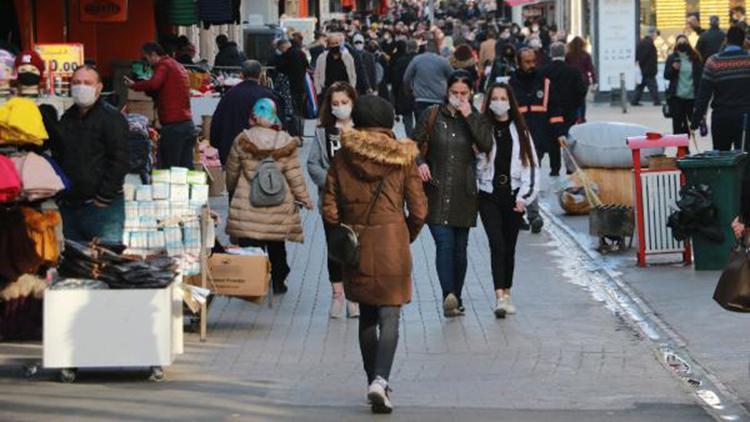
{"points": [[345, 210]]}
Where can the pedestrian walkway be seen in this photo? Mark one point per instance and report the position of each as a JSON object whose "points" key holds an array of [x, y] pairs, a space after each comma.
{"points": [[564, 357]]}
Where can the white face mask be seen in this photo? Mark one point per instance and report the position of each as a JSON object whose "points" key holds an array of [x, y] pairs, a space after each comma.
{"points": [[499, 107], [83, 95], [342, 112], [454, 101], [359, 46]]}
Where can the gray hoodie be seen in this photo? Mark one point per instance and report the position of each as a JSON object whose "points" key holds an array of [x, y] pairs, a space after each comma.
{"points": [[427, 76]]}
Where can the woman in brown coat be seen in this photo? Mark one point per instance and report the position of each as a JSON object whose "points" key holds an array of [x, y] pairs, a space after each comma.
{"points": [[267, 227], [382, 281]]}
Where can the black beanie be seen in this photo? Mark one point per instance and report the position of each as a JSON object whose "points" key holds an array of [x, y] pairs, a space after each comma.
{"points": [[371, 111]]}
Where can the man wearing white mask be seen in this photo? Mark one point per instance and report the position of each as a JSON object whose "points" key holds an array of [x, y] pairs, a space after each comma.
{"points": [[91, 147]]}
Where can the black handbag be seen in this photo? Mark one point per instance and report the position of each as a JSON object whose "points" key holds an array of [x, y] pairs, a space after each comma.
{"points": [[343, 240], [733, 290]]}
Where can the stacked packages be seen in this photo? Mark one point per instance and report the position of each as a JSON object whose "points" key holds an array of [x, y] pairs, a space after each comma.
{"points": [[165, 216]]}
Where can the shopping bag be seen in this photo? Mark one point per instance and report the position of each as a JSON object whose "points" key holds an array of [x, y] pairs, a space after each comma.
{"points": [[733, 290]]}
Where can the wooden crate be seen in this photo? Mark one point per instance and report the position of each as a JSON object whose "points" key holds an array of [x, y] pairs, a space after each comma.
{"points": [[615, 185]]}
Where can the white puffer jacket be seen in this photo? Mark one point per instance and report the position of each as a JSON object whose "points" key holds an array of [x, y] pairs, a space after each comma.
{"points": [[523, 178]]}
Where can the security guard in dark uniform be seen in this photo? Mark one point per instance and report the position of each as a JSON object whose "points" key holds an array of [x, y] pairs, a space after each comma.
{"points": [[538, 102]]}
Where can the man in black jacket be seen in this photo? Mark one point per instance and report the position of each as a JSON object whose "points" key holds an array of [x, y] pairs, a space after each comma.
{"points": [[568, 82], [92, 150], [228, 55], [404, 100], [710, 42], [232, 114], [293, 63], [646, 56]]}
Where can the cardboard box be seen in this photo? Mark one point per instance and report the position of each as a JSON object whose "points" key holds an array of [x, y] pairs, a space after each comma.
{"points": [[216, 181], [145, 108], [239, 276], [138, 96]]}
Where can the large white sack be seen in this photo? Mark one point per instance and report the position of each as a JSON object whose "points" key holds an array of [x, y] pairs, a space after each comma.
{"points": [[602, 144]]}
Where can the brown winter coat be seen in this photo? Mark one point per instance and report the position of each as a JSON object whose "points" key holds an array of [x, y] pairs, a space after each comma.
{"points": [[384, 273], [278, 223]]}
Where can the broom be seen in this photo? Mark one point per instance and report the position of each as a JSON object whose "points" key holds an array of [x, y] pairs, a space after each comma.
{"points": [[591, 195]]}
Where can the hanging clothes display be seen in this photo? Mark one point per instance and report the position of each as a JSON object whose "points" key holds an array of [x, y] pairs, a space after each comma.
{"points": [[17, 250], [215, 12], [39, 179], [10, 181], [183, 12]]}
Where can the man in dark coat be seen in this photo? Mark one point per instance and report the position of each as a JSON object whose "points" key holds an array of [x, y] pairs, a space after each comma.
{"points": [[293, 63], [228, 55], [403, 99], [710, 42], [646, 56], [232, 115], [570, 89]]}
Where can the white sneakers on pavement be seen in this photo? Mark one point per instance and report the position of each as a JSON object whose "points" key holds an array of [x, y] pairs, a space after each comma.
{"points": [[378, 396], [450, 306], [504, 306]]}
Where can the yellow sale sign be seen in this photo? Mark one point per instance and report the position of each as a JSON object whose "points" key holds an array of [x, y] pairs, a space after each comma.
{"points": [[62, 59]]}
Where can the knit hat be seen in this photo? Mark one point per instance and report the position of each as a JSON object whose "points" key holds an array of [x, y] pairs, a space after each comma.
{"points": [[265, 108], [30, 57], [372, 111]]}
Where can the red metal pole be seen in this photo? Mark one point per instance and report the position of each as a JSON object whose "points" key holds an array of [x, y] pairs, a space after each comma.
{"points": [[639, 208]]}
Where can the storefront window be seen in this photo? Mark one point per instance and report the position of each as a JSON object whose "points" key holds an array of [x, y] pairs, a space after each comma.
{"points": [[670, 18]]}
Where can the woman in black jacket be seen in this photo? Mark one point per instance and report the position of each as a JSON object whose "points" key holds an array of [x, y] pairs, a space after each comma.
{"points": [[447, 136], [683, 70]]}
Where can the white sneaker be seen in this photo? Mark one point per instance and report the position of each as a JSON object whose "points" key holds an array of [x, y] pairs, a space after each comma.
{"points": [[352, 309], [450, 306], [509, 308], [500, 310], [338, 304], [378, 396]]}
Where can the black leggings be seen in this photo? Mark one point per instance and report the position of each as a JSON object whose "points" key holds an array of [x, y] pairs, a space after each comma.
{"points": [[334, 268], [502, 225], [378, 347], [682, 114], [276, 254]]}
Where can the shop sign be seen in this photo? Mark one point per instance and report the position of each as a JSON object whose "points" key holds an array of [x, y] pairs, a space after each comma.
{"points": [[616, 43], [62, 59], [103, 10]]}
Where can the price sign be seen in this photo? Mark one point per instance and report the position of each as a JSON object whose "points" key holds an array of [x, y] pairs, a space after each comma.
{"points": [[62, 59]]}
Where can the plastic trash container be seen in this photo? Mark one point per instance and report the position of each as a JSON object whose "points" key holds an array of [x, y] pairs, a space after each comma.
{"points": [[723, 172]]}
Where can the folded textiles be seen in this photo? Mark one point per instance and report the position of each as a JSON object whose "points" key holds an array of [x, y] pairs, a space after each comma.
{"points": [[10, 181], [117, 271], [17, 249], [21, 122], [39, 179], [78, 284]]}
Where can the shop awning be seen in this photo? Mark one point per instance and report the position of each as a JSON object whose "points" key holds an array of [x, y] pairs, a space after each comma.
{"points": [[521, 2]]}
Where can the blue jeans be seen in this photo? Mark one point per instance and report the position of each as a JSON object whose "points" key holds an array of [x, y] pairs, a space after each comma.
{"points": [[451, 261], [84, 223]]}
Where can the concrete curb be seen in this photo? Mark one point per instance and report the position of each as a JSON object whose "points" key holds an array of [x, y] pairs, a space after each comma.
{"points": [[715, 397]]}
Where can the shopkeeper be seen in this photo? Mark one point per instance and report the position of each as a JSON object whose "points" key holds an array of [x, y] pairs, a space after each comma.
{"points": [[92, 150]]}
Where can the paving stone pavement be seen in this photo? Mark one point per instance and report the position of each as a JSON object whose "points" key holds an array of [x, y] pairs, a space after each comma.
{"points": [[563, 357]]}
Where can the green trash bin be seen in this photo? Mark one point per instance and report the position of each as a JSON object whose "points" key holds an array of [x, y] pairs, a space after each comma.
{"points": [[723, 172]]}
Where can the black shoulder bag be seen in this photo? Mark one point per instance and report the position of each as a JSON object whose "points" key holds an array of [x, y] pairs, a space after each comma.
{"points": [[343, 240]]}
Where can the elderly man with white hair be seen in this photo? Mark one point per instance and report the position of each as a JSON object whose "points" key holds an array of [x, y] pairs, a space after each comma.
{"points": [[334, 65]]}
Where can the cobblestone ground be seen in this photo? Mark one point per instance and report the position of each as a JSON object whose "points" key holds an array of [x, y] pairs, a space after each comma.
{"points": [[563, 357]]}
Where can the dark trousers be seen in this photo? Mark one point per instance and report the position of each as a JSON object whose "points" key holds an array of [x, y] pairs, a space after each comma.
{"points": [[334, 268], [555, 157], [502, 225], [682, 114], [276, 254], [726, 130], [409, 123], [177, 145], [451, 261], [378, 339], [653, 89], [86, 222]]}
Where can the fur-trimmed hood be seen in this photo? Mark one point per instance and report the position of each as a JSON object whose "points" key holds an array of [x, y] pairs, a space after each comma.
{"points": [[372, 153], [261, 143]]}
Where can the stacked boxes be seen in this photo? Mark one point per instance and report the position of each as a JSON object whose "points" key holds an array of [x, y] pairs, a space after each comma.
{"points": [[164, 217]]}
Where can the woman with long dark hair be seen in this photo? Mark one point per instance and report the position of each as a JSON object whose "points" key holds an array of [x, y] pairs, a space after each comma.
{"points": [[579, 58], [447, 136], [335, 116], [508, 180], [683, 70]]}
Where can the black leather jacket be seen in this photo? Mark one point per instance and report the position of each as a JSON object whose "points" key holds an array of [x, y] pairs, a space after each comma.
{"points": [[448, 148]]}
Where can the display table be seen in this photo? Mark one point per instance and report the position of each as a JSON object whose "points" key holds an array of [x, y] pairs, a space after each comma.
{"points": [[112, 328]]}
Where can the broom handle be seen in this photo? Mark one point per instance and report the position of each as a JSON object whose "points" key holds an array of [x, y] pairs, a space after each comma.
{"points": [[594, 198]]}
